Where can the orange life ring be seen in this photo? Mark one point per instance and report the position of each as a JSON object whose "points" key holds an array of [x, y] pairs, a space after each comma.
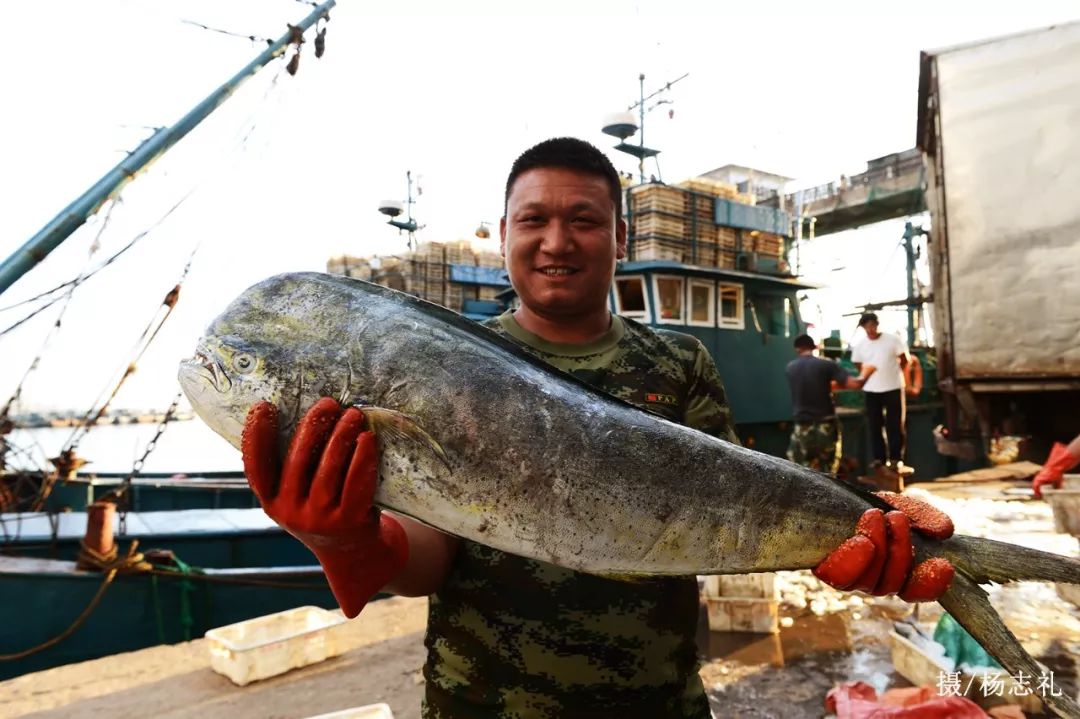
{"points": [[913, 380]]}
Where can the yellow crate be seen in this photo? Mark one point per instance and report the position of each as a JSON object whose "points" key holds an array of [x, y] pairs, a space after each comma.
{"points": [[270, 645], [735, 614]]}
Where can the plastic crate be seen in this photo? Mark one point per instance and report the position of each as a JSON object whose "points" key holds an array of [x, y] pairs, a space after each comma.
{"points": [[1065, 504], [370, 711], [267, 646]]}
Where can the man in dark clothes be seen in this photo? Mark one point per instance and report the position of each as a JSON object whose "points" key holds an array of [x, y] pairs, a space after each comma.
{"points": [[815, 439]]}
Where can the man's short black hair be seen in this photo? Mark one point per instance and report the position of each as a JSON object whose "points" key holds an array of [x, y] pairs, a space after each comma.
{"points": [[868, 317], [805, 342], [572, 154]]}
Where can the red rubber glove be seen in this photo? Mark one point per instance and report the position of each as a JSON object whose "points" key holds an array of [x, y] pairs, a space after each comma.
{"points": [[1057, 464], [323, 496], [878, 559]]}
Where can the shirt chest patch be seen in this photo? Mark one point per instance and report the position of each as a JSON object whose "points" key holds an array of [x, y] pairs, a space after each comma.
{"points": [[657, 398]]}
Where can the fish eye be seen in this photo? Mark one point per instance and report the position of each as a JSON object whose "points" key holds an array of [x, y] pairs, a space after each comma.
{"points": [[243, 362]]}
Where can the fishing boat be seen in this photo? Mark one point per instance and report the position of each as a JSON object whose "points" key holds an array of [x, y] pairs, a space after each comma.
{"points": [[93, 564], [712, 257]]}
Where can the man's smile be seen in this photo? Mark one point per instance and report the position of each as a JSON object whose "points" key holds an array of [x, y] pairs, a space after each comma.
{"points": [[557, 270]]}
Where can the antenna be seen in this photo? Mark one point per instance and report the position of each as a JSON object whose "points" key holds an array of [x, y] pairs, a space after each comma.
{"points": [[394, 208], [623, 124]]}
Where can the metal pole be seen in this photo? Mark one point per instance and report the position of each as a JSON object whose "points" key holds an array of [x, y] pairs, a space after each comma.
{"points": [[641, 131], [909, 251], [74, 215]]}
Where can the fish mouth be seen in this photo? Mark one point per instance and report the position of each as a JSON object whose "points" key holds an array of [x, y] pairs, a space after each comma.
{"points": [[204, 365]]}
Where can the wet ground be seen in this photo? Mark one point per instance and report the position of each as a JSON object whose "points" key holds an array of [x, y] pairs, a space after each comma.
{"points": [[829, 637], [788, 674]]}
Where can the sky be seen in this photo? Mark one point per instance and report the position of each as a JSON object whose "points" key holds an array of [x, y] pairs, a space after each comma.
{"points": [[290, 170]]}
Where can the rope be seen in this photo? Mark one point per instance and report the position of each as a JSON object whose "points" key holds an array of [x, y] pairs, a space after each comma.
{"points": [[131, 562]]}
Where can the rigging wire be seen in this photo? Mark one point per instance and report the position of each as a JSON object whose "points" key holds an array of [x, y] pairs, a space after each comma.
{"points": [[156, 323], [139, 349], [253, 38], [240, 143], [94, 246], [79, 280]]}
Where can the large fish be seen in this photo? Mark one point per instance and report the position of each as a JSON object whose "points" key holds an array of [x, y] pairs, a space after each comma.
{"points": [[483, 440]]}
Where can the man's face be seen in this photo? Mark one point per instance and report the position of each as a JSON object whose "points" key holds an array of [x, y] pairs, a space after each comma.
{"points": [[560, 238], [871, 329]]}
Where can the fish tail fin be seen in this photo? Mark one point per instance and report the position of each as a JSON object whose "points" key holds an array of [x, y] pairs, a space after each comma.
{"points": [[970, 606], [984, 561]]}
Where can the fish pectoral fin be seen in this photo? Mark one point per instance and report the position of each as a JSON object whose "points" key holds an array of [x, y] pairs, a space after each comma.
{"points": [[394, 425]]}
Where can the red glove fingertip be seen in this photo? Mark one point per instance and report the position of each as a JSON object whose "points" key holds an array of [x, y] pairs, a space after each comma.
{"points": [[925, 518], [929, 580], [872, 526], [258, 449], [846, 563], [899, 557]]}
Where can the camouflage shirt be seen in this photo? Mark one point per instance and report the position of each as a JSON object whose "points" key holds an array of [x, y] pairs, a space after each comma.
{"points": [[514, 637]]}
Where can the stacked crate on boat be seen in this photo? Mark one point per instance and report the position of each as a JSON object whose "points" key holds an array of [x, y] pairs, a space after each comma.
{"points": [[426, 272], [679, 223]]}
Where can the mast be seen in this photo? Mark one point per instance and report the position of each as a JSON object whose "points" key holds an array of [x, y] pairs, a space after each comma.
{"points": [[72, 217]]}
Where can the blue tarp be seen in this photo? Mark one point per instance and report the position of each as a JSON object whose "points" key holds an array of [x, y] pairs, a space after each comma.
{"points": [[472, 275], [752, 217]]}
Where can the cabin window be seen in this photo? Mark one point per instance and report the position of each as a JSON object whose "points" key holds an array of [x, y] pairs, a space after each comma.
{"points": [[630, 299], [670, 294], [775, 313], [701, 303], [730, 304]]}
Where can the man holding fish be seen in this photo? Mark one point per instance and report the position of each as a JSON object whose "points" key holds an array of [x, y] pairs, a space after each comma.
{"points": [[509, 635]]}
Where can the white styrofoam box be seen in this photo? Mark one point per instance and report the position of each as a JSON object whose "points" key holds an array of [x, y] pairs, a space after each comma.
{"points": [[919, 667], [1065, 504], [369, 711], [1071, 481], [761, 585], [267, 646], [1069, 592], [740, 614]]}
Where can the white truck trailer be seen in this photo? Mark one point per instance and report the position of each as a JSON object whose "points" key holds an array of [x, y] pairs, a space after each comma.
{"points": [[999, 126]]}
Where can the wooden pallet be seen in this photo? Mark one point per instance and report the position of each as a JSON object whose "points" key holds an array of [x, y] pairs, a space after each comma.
{"points": [[713, 188], [659, 198], [726, 237], [489, 259], [769, 244], [725, 259], [702, 255], [655, 223], [657, 248]]}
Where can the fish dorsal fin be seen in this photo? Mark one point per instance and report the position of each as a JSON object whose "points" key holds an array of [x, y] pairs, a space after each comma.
{"points": [[481, 332]]}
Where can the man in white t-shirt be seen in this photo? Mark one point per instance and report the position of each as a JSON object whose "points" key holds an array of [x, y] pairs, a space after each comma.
{"points": [[884, 390]]}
